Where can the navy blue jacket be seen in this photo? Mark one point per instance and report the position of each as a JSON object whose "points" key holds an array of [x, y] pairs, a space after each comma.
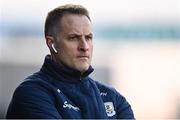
{"points": [[60, 92]]}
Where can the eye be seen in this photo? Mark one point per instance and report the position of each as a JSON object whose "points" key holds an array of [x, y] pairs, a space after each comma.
{"points": [[89, 37], [73, 38]]}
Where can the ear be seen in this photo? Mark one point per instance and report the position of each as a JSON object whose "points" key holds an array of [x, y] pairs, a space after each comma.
{"points": [[49, 41]]}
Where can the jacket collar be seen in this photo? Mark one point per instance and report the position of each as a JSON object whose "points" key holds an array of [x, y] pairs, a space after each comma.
{"points": [[62, 72]]}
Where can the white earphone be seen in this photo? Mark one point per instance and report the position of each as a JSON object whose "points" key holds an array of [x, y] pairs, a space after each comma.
{"points": [[54, 48]]}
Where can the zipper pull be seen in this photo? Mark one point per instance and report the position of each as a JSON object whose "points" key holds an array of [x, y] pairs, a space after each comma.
{"points": [[81, 76]]}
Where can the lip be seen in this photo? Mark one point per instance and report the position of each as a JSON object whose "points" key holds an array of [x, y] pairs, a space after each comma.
{"points": [[83, 57]]}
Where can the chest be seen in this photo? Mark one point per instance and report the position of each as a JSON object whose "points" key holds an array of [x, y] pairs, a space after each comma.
{"points": [[84, 101]]}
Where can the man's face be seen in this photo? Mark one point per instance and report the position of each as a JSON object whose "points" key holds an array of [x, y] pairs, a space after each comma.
{"points": [[74, 43]]}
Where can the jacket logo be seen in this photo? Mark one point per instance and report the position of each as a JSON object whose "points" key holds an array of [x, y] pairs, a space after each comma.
{"points": [[103, 93], [66, 105], [109, 109]]}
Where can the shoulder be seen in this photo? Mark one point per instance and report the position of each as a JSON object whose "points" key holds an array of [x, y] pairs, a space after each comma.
{"points": [[108, 91], [104, 88], [33, 86], [33, 98]]}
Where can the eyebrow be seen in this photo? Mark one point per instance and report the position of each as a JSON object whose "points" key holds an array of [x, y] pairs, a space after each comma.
{"points": [[71, 34], [90, 34]]}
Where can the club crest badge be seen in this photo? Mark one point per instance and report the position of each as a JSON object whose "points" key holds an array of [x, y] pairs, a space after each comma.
{"points": [[109, 109]]}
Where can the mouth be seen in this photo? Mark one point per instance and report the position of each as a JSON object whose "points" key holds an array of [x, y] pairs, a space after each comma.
{"points": [[83, 57]]}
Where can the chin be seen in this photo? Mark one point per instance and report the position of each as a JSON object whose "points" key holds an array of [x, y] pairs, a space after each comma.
{"points": [[83, 68]]}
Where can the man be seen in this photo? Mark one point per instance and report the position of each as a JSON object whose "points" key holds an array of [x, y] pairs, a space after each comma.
{"points": [[62, 88]]}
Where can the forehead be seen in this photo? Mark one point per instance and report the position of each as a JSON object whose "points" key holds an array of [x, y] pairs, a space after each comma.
{"points": [[75, 23]]}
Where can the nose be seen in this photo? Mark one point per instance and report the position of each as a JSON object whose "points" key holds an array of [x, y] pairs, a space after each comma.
{"points": [[83, 45]]}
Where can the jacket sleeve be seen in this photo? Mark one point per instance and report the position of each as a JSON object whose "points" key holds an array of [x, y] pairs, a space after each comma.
{"points": [[124, 110], [32, 101]]}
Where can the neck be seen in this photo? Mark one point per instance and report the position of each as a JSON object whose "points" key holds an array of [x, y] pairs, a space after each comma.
{"points": [[63, 72], [61, 63]]}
